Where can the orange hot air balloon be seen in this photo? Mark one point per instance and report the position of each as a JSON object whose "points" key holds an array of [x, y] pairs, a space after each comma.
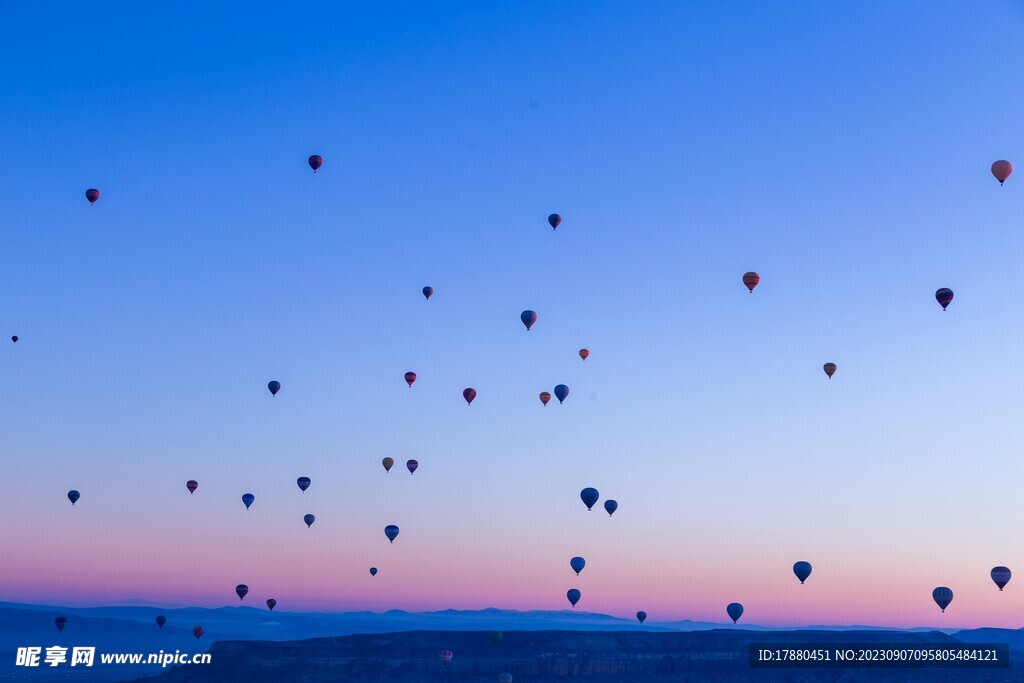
{"points": [[750, 280], [584, 353], [1001, 170], [545, 397]]}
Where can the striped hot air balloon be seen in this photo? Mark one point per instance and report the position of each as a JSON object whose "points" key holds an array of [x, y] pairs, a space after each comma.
{"points": [[750, 280]]}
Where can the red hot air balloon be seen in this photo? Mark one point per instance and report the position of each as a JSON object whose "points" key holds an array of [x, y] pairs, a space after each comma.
{"points": [[315, 162], [944, 296], [410, 377], [528, 318], [92, 194], [584, 353], [1001, 170], [545, 397], [445, 656], [554, 220], [191, 485], [198, 631], [428, 292], [469, 394], [830, 369], [750, 280]]}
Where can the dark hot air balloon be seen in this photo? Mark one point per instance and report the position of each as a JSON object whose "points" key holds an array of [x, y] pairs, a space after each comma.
{"points": [[412, 465], [303, 483], [528, 318], [410, 377], [1001, 170], [14, 339], [577, 564], [73, 496], [495, 637], [589, 496], [554, 220], [248, 498], [942, 597], [191, 485], [315, 162], [944, 296], [271, 604], [373, 571], [610, 506], [561, 393], [198, 631], [92, 195], [469, 394], [574, 596], [428, 292], [584, 353], [641, 616], [1001, 576], [241, 590], [274, 387], [830, 369], [802, 570], [388, 464], [735, 611], [545, 397], [161, 620], [391, 531], [750, 280], [60, 623], [309, 519], [445, 656]]}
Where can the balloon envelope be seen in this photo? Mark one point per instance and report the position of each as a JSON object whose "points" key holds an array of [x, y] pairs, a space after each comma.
{"points": [[545, 397], [309, 519], [1001, 576], [584, 353], [388, 464], [271, 604], [315, 162], [274, 387], [495, 636], [561, 393], [410, 377], [641, 616], [92, 194], [942, 597], [241, 590], [373, 571], [161, 620], [198, 631], [303, 483], [428, 292], [802, 570], [528, 318], [830, 369], [445, 656], [577, 564], [504, 678], [469, 394], [574, 596], [14, 339], [750, 280], [589, 496], [944, 296], [554, 220], [60, 623], [1001, 170], [391, 531], [610, 506], [735, 611], [73, 496], [412, 466], [191, 485], [248, 498]]}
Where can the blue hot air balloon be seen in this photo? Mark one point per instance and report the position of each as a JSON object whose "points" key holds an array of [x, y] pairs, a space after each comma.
{"points": [[271, 604], [802, 570], [589, 496], [610, 506], [561, 392], [274, 387], [428, 292], [60, 623], [73, 496], [577, 564], [241, 590], [391, 531], [735, 611], [1001, 576], [161, 620], [248, 498], [641, 616], [309, 519], [942, 597], [373, 571], [574, 595], [303, 483], [529, 318]]}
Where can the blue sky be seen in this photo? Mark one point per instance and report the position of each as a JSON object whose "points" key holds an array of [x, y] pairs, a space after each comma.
{"points": [[842, 152]]}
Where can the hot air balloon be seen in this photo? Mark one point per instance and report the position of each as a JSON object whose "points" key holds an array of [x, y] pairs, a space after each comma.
{"points": [[161, 620], [641, 616], [388, 464], [274, 387], [554, 220], [1001, 170], [589, 496], [469, 394], [445, 656], [412, 465], [561, 393], [191, 485], [802, 570], [14, 339], [750, 280], [830, 369], [584, 353], [1001, 576], [428, 292], [92, 194], [504, 678], [528, 318], [60, 623], [574, 596], [735, 611], [248, 498], [198, 631], [241, 590], [944, 296], [309, 519], [410, 377], [315, 162], [577, 564], [495, 637], [610, 506], [373, 571], [391, 531], [545, 397], [303, 483], [271, 604], [73, 496], [942, 597]]}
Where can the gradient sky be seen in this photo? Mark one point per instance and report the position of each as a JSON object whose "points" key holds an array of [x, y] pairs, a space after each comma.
{"points": [[841, 150]]}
